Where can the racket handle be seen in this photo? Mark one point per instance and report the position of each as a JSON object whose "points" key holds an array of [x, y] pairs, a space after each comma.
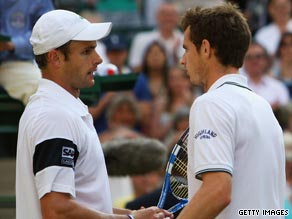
{"points": [[178, 206]]}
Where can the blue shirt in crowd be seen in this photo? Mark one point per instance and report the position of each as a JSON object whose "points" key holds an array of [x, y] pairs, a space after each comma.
{"points": [[141, 88], [17, 18]]}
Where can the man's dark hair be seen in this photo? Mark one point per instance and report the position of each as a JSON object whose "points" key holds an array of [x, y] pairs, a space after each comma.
{"points": [[225, 28]]}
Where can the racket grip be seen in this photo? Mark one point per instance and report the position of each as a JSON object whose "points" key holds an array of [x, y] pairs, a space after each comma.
{"points": [[178, 206]]}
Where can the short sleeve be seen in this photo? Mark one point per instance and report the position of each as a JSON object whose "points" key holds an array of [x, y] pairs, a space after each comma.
{"points": [[56, 149], [212, 136]]}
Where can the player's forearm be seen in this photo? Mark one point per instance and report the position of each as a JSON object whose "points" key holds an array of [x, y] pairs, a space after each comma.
{"points": [[63, 206], [206, 204], [212, 197], [73, 210], [121, 211]]}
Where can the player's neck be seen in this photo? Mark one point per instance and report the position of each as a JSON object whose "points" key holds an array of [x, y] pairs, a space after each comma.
{"points": [[217, 72]]}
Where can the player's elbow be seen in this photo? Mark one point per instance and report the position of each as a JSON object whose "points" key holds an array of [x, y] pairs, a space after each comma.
{"points": [[224, 195], [225, 200]]}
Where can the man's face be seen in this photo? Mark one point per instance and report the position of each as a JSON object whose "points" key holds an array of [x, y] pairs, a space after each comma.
{"points": [[286, 49], [81, 64], [280, 10], [155, 57], [117, 57], [255, 61], [167, 17], [192, 61]]}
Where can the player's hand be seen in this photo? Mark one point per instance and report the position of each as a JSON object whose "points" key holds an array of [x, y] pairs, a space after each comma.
{"points": [[152, 213]]}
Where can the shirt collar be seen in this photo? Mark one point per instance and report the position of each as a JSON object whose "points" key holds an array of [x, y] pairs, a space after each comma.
{"points": [[63, 97], [236, 78]]}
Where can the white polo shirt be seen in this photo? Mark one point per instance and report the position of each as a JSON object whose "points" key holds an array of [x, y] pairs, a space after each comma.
{"points": [[234, 130], [58, 150]]}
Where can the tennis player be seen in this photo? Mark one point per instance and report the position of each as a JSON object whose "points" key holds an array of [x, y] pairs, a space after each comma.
{"points": [[61, 172], [236, 163]]}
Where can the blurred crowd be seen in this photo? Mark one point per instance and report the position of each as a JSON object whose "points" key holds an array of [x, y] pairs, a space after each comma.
{"points": [[158, 106]]}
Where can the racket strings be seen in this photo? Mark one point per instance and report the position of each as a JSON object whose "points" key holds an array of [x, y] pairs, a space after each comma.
{"points": [[179, 187], [180, 166], [180, 163], [178, 180]]}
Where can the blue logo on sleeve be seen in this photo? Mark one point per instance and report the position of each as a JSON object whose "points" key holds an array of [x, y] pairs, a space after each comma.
{"points": [[205, 134]]}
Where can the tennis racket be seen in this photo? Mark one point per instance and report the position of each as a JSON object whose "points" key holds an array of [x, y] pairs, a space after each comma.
{"points": [[175, 180]]}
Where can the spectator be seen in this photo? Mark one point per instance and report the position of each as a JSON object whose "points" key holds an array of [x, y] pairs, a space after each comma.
{"points": [[149, 10], [166, 33], [19, 75], [180, 94], [179, 124], [117, 52], [270, 34], [284, 116], [255, 68], [148, 173], [141, 184], [154, 71], [282, 68], [151, 84], [256, 14], [180, 90], [123, 118]]}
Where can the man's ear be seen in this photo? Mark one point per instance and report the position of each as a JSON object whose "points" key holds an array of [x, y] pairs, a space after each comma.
{"points": [[206, 49], [54, 57]]}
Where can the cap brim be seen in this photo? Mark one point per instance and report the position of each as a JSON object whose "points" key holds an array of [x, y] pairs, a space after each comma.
{"points": [[94, 31]]}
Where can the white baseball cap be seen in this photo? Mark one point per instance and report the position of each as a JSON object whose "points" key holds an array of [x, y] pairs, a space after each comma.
{"points": [[55, 28]]}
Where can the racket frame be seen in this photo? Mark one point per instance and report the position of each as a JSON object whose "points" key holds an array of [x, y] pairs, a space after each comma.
{"points": [[166, 188]]}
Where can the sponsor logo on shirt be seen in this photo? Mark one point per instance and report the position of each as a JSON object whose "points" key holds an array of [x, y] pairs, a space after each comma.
{"points": [[68, 156], [205, 134]]}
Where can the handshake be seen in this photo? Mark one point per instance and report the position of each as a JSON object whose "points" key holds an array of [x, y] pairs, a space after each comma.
{"points": [[150, 213]]}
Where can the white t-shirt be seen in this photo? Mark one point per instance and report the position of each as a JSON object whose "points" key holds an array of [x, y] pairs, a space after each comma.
{"points": [[269, 36], [234, 130], [58, 150], [270, 88]]}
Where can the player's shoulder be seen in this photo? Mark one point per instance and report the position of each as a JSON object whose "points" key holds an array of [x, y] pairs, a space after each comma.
{"points": [[215, 101], [204, 102], [211, 96], [48, 111]]}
